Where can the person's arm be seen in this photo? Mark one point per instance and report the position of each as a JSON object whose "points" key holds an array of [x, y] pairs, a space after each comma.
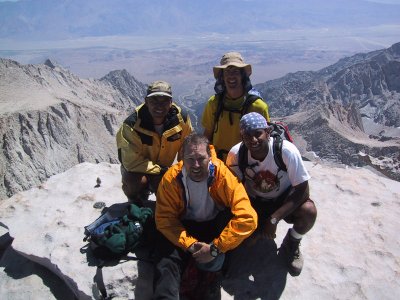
{"points": [[208, 134], [207, 118], [296, 197], [266, 113], [187, 129], [298, 177], [232, 194], [232, 162], [169, 207], [129, 143]]}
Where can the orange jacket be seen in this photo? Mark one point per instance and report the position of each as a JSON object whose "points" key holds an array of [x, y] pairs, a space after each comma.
{"points": [[225, 190]]}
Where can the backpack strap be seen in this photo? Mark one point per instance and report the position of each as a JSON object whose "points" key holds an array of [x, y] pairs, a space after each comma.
{"points": [[250, 98], [243, 160], [98, 279], [220, 107], [277, 146]]}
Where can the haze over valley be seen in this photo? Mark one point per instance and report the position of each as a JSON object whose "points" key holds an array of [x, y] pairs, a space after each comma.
{"points": [[181, 42]]}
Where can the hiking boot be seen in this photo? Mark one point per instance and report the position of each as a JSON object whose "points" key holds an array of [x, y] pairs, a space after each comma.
{"points": [[291, 249]]}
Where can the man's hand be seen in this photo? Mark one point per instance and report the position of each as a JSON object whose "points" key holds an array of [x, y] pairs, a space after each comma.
{"points": [[201, 252], [269, 231]]}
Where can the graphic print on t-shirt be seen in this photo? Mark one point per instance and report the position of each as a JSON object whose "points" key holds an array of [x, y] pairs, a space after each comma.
{"points": [[265, 181]]}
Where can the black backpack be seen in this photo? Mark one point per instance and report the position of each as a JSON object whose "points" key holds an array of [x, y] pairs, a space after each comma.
{"points": [[279, 133]]}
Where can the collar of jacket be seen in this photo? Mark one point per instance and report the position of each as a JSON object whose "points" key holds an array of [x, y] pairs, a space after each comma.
{"points": [[182, 180], [171, 120]]}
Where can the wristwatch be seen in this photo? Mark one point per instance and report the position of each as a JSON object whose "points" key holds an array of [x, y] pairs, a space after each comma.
{"points": [[273, 221], [214, 250]]}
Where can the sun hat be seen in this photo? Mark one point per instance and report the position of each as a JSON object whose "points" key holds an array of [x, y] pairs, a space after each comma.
{"points": [[159, 88], [232, 59], [252, 121]]}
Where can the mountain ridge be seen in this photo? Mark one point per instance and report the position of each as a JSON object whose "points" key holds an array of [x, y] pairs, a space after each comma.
{"points": [[52, 120]]}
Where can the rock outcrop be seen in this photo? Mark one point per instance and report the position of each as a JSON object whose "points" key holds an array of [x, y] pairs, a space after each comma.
{"points": [[369, 81], [350, 107], [51, 120]]}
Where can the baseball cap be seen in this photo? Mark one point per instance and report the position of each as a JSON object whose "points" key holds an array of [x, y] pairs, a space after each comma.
{"points": [[159, 88]]}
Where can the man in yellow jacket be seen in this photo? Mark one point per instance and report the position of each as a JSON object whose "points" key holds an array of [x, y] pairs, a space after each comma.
{"points": [[234, 97], [202, 211], [149, 140]]}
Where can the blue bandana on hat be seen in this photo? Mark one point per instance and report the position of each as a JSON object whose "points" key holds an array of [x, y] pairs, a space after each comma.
{"points": [[252, 121]]}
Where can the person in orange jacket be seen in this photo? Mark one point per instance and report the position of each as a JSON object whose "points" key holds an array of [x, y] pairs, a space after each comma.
{"points": [[202, 211]]}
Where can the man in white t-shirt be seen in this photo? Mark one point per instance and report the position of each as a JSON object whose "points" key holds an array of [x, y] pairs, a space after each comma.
{"points": [[275, 194]]}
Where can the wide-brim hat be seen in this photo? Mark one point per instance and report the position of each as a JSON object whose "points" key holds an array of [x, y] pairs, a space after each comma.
{"points": [[232, 59], [159, 88]]}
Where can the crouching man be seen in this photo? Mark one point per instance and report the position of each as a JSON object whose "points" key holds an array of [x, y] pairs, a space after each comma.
{"points": [[202, 211], [275, 194], [149, 140]]}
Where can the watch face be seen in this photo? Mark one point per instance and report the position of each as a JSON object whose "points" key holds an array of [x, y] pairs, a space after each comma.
{"points": [[213, 251], [273, 221]]}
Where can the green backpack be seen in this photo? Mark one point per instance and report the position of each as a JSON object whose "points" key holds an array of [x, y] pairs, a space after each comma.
{"points": [[118, 231]]}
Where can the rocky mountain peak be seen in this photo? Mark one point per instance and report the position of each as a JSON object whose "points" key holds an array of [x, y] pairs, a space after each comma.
{"points": [[51, 120], [49, 63], [126, 84]]}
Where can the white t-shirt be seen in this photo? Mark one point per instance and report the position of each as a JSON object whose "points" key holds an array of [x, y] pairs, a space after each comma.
{"points": [[200, 206], [263, 178]]}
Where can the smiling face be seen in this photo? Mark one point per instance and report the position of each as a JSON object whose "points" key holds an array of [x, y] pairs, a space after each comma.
{"points": [[233, 81], [257, 142], [158, 107], [196, 159]]}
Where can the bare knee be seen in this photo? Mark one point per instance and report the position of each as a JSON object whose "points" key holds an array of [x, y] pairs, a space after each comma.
{"points": [[309, 210], [305, 216]]}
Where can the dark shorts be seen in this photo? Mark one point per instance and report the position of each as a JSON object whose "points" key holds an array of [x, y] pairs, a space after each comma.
{"points": [[135, 184], [265, 208]]}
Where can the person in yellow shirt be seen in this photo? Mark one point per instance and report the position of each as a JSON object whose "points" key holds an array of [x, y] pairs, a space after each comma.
{"points": [[149, 140], [234, 97], [202, 211]]}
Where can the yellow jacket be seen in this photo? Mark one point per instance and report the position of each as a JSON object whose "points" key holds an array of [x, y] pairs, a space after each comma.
{"points": [[226, 131], [141, 149], [225, 190]]}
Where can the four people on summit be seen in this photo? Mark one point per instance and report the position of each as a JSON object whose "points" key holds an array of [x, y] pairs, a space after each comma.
{"points": [[204, 207]]}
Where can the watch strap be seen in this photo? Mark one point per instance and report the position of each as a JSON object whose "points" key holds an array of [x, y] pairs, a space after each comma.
{"points": [[214, 251]]}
